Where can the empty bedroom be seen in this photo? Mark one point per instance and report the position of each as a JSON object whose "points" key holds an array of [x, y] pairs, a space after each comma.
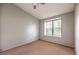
{"points": [[39, 28]]}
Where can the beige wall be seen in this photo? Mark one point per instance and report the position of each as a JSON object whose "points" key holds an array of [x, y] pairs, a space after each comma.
{"points": [[77, 29], [17, 27], [67, 38]]}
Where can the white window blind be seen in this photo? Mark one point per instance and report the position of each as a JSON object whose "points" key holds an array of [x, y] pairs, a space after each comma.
{"points": [[52, 27]]}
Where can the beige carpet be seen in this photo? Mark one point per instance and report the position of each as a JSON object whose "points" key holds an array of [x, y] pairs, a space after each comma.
{"points": [[40, 48]]}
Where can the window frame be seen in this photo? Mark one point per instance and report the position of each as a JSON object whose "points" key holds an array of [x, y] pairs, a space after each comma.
{"points": [[54, 19]]}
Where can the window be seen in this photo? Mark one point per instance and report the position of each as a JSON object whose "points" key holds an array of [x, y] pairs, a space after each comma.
{"points": [[48, 28], [53, 27]]}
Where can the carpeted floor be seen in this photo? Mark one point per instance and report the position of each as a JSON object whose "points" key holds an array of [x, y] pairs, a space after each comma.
{"points": [[40, 48]]}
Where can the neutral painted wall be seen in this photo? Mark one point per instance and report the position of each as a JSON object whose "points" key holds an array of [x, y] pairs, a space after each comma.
{"points": [[67, 38], [17, 27], [77, 29], [0, 26]]}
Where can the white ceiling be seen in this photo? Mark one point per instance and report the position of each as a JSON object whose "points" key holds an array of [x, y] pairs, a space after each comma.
{"points": [[47, 10]]}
